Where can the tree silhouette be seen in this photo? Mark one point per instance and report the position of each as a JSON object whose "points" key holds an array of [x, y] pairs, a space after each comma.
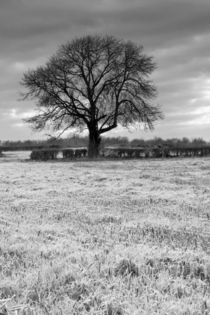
{"points": [[94, 82]]}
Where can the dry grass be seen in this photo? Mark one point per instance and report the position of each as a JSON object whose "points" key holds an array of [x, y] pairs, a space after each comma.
{"points": [[111, 238]]}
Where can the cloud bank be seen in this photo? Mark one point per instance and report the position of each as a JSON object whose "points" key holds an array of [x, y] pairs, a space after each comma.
{"points": [[175, 32]]}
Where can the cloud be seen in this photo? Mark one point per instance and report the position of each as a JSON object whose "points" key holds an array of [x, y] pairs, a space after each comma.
{"points": [[15, 114], [175, 32]]}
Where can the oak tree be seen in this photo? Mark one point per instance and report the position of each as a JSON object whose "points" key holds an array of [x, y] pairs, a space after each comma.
{"points": [[94, 82]]}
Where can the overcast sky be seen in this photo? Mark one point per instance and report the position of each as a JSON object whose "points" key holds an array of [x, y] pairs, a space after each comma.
{"points": [[175, 32]]}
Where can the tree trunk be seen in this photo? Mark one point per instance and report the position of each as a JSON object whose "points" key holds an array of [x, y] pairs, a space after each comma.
{"points": [[94, 143]]}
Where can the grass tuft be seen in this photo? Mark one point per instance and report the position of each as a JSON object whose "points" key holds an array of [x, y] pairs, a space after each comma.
{"points": [[126, 267]]}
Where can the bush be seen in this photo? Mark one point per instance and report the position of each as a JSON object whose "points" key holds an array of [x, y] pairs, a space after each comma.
{"points": [[80, 152], [44, 154], [74, 153], [68, 153], [124, 152]]}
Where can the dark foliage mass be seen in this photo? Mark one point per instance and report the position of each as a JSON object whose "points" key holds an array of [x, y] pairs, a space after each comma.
{"points": [[77, 141], [93, 82]]}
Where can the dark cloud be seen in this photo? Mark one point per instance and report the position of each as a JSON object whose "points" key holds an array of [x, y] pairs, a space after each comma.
{"points": [[159, 22], [175, 32]]}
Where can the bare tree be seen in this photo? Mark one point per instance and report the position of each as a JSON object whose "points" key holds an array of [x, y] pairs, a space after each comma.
{"points": [[94, 82]]}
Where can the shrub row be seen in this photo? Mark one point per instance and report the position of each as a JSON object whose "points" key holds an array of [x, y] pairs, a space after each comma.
{"points": [[52, 154], [124, 152], [74, 153], [132, 152], [154, 152], [44, 154], [120, 152]]}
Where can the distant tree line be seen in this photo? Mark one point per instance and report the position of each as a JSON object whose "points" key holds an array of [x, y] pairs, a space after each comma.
{"points": [[173, 142], [78, 141]]}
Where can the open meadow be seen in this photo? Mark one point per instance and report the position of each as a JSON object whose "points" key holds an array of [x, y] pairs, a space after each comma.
{"points": [[127, 237]]}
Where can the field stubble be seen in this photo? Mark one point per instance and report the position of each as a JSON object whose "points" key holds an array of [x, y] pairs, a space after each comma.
{"points": [[109, 237]]}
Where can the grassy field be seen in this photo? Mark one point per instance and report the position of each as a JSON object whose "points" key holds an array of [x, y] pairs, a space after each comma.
{"points": [[110, 237]]}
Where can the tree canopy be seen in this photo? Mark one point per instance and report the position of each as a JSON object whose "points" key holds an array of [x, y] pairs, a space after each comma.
{"points": [[94, 82]]}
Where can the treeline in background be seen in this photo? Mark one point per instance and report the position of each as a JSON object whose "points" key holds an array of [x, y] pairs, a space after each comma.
{"points": [[78, 141]]}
